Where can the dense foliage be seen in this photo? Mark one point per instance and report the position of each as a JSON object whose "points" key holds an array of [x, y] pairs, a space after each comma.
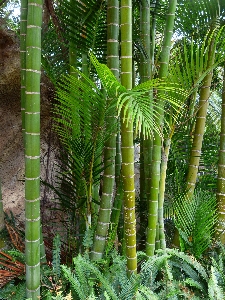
{"points": [[127, 75]]}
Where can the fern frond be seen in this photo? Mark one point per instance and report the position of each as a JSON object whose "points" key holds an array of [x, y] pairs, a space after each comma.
{"points": [[12, 291], [214, 290], [129, 287], [80, 290], [145, 293], [89, 268]]}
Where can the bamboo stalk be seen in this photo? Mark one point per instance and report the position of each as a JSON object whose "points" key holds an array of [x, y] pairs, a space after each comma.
{"points": [[221, 173], [127, 147], [200, 124], [32, 148], [110, 145], [157, 143], [145, 145], [23, 29]]}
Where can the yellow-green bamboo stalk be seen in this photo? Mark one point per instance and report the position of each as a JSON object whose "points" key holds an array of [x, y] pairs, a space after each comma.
{"points": [[157, 143], [110, 146], [220, 229], [200, 125], [32, 149], [127, 147], [162, 184], [117, 212], [145, 145]]}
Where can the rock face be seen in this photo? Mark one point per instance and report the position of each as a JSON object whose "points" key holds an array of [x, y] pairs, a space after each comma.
{"points": [[11, 144], [11, 159]]}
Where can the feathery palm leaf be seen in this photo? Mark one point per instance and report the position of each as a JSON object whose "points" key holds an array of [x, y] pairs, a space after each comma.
{"points": [[84, 24], [195, 220], [200, 14], [189, 64], [137, 101]]}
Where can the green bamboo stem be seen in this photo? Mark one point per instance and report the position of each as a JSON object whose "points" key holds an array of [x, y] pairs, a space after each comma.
{"points": [[145, 67], [200, 125], [156, 153], [127, 147], [145, 145], [23, 29], [162, 184], [110, 146], [221, 173], [117, 212], [113, 36], [32, 149]]}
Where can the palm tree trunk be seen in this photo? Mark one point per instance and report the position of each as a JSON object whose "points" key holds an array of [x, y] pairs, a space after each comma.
{"points": [[200, 126], [127, 147], [32, 148], [157, 143], [110, 146], [221, 173]]}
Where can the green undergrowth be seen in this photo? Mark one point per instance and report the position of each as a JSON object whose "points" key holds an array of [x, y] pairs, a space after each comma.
{"points": [[169, 274]]}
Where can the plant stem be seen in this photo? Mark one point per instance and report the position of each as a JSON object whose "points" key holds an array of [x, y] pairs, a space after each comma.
{"points": [[32, 148], [221, 173], [127, 147], [157, 143]]}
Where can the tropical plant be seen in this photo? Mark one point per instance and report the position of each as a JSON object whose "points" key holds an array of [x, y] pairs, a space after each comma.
{"points": [[195, 220], [85, 131]]}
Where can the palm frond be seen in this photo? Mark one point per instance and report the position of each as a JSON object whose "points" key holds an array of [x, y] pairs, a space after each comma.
{"points": [[195, 221], [200, 14], [84, 24], [189, 63]]}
